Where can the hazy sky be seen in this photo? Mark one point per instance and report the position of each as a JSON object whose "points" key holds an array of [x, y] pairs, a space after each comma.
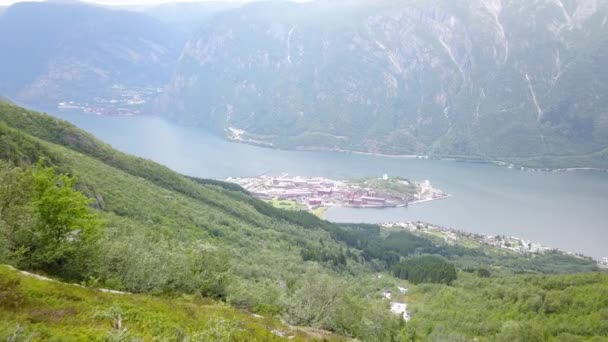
{"points": [[125, 2]]}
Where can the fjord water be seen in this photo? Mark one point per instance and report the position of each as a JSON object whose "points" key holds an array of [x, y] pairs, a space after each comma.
{"points": [[566, 210]]}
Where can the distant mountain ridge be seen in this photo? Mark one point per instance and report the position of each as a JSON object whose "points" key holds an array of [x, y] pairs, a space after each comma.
{"points": [[75, 51], [516, 81]]}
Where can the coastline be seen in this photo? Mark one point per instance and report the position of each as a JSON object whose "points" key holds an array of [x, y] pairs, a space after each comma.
{"points": [[429, 200], [235, 135], [463, 159], [455, 235]]}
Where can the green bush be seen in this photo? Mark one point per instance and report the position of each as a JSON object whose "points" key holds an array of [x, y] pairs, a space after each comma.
{"points": [[48, 225], [426, 269], [10, 292]]}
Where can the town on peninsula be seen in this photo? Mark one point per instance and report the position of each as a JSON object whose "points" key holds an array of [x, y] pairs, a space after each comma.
{"points": [[310, 193]]}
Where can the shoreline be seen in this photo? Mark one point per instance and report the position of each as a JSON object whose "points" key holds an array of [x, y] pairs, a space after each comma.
{"points": [[429, 200], [423, 227], [462, 159], [237, 138], [426, 200], [320, 192]]}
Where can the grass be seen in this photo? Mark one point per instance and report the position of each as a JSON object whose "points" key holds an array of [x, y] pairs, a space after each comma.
{"points": [[320, 212], [393, 186], [286, 204], [48, 309]]}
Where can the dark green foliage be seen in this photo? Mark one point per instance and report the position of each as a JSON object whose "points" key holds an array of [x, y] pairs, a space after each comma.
{"points": [[223, 185], [483, 273], [425, 269], [337, 258], [402, 244], [19, 149]]}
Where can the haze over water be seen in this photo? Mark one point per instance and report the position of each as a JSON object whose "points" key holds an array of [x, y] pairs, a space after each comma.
{"points": [[567, 210]]}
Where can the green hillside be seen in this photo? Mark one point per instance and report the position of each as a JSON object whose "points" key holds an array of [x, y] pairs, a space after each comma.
{"points": [[194, 252], [34, 309]]}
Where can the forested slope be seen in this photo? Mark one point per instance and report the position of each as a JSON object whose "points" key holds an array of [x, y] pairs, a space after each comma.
{"points": [[73, 208]]}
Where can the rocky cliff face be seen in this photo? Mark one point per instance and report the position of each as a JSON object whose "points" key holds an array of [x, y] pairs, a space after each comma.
{"points": [[54, 51], [497, 79]]}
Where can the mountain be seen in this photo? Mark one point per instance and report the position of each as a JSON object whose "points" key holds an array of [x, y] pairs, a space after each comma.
{"points": [[516, 81], [77, 52], [184, 251], [188, 16]]}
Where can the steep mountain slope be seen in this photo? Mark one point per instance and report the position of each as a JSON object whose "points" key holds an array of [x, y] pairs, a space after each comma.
{"points": [[492, 79], [174, 239], [72, 51]]}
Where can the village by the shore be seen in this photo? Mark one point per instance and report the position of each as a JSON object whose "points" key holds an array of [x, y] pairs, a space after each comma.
{"points": [[510, 243], [318, 193], [310, 193]]}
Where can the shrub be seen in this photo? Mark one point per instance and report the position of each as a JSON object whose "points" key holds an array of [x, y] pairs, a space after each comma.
{"points": [[10, 292], [425, 269], [48, 225]]}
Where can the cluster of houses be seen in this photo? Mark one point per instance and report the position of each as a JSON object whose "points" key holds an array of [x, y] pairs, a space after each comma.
{"points": [[117, 100], [317, 191], [514, 244]]}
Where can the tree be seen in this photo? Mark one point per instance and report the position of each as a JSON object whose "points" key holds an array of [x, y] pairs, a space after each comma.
{"points": [[47, 223], [512, 331], [426, 269], [483, 273], [315, 302]]}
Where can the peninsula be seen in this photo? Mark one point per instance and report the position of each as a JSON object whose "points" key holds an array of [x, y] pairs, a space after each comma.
{"points": [[310, 193]]}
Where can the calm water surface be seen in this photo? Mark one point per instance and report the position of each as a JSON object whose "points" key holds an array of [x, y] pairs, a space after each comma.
{"points": [[567, 210]]}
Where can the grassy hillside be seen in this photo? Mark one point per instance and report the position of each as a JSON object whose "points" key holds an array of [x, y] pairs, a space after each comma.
{"points": [[34, 309], [165, 233], [194, 252]]}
